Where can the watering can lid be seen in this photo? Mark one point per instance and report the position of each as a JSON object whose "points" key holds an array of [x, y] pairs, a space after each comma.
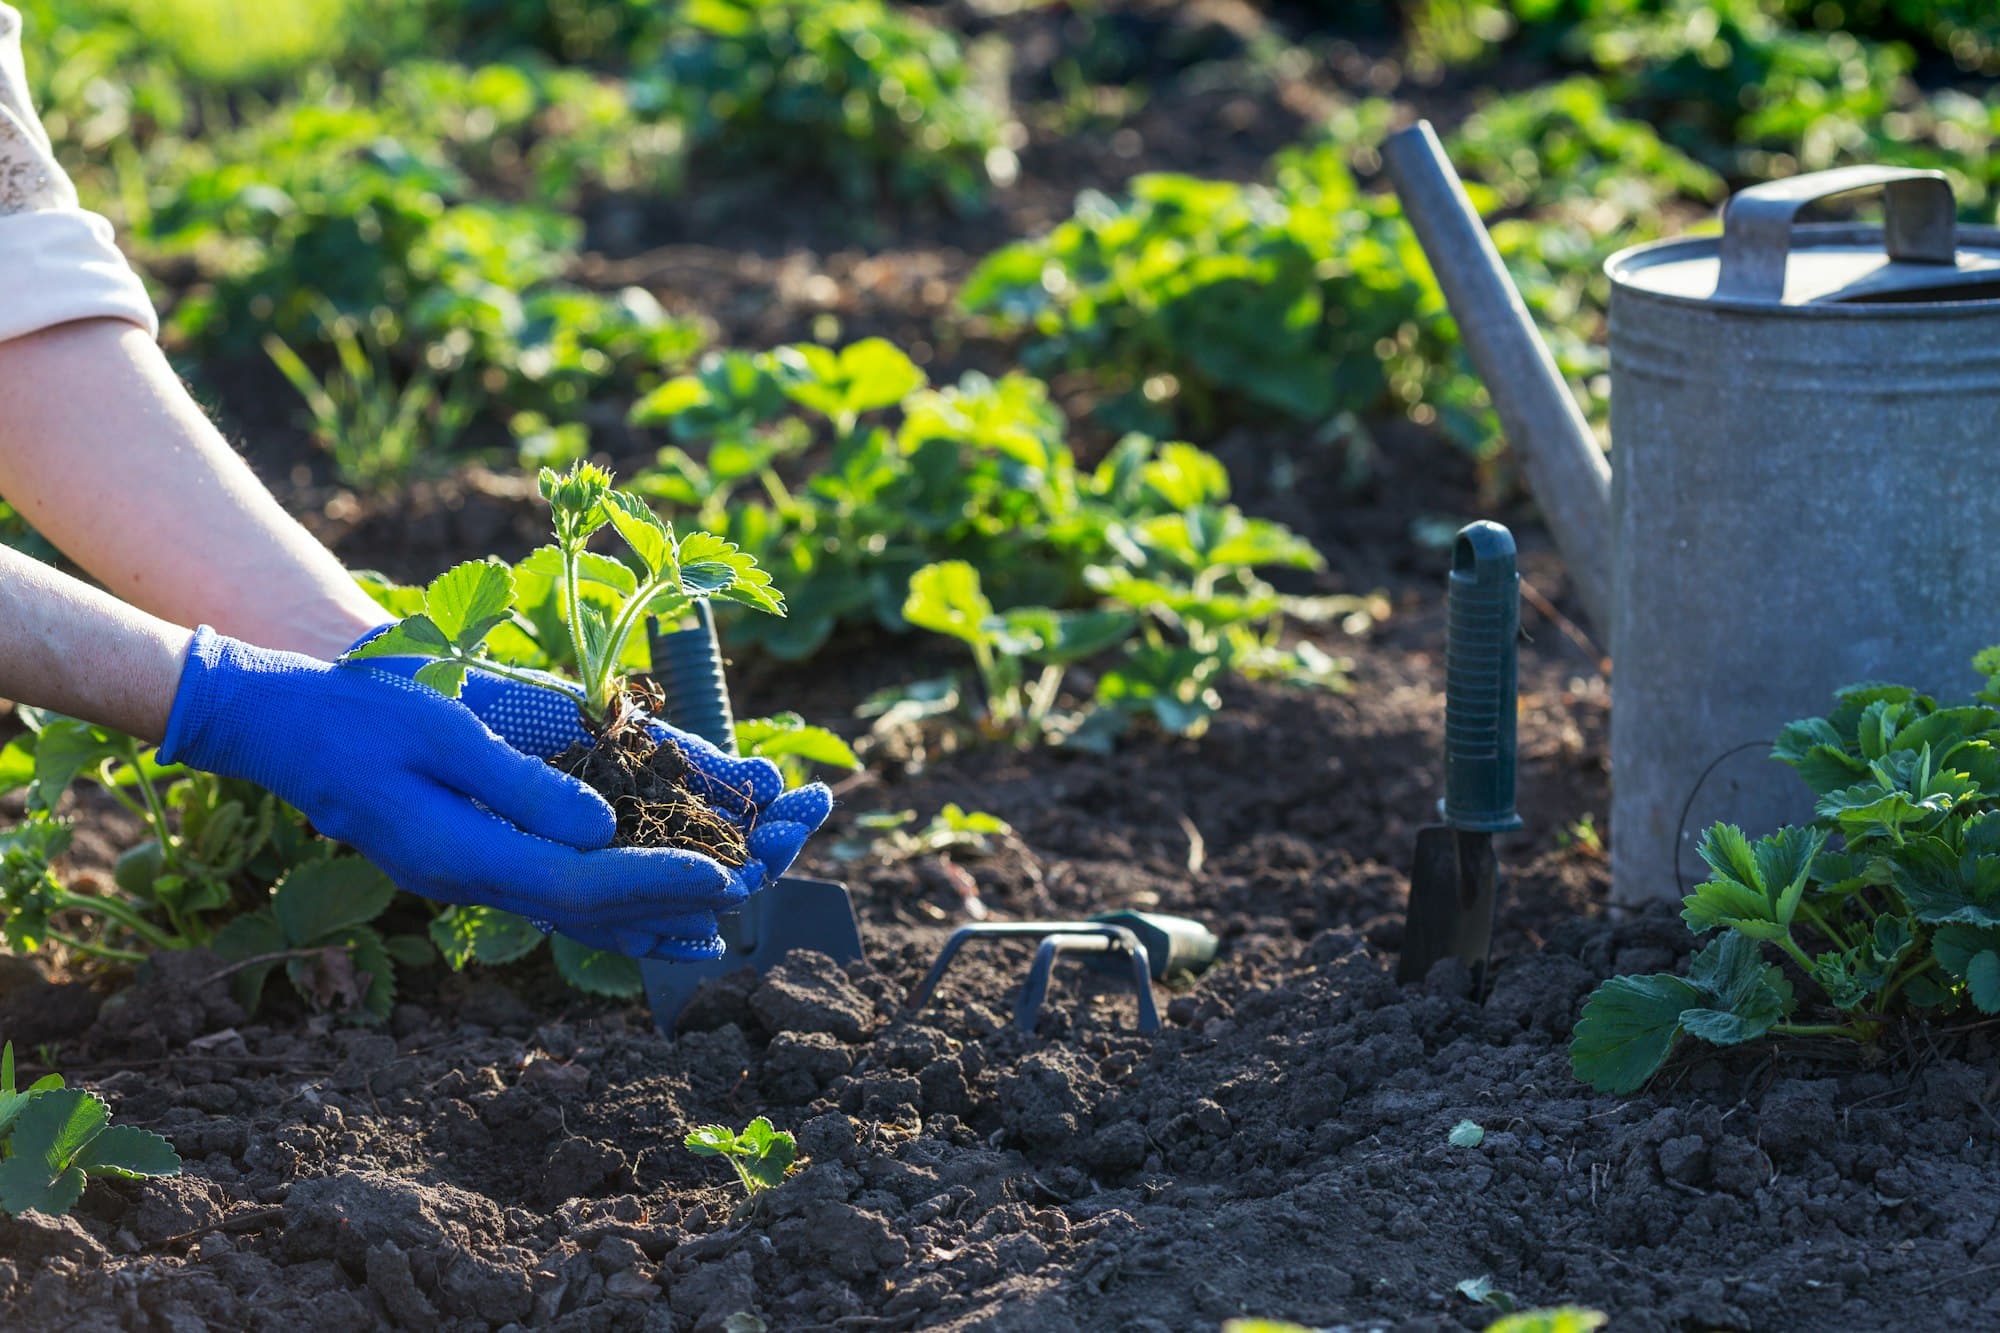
{"points": [[1765, 258], [1828, 266]]}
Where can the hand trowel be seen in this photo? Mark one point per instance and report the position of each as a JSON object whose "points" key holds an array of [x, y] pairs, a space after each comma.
{"points": [[1455, 880]]}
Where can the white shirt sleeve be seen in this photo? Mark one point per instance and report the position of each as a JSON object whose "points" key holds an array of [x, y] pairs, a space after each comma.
{"points": [[58, 261]]}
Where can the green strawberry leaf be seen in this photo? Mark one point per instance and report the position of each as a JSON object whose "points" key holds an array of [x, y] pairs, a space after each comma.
{"points": [[12, 1103], [595, 971], [1982, 981], [65, 748], [324, 899], [1955, 946], [1629, 1024], [946, 598], [713, 567], [1754, 890], [787, 736], [482, 934], [447, 678], [1941, 887], [1063, 637], [246, 936], [769, 1152], [711, 1141], [49, 1133], [25, 1183], [414, 636], [1744, 996], [468, 600], [1628, 1028], [129, 1152], [650, 539]]}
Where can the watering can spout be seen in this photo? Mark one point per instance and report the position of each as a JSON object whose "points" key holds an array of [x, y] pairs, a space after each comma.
{"points": [[1566, 470]]}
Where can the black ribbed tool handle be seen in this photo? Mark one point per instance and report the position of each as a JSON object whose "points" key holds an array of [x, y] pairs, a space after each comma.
{"points": [[688, 665], [1481, 680]]}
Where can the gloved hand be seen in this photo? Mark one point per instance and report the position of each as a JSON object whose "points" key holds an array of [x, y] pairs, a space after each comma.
{"points": [[418, 785], [749, 792]]}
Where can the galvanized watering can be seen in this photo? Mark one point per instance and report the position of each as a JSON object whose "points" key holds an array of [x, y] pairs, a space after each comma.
{"points": [[1804, 422]]}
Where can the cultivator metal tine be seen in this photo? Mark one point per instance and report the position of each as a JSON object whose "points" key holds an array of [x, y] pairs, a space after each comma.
{"points": [[1058, 937]]}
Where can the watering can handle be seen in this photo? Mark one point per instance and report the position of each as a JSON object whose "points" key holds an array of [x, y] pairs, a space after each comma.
{"points": [[1920, 224]]}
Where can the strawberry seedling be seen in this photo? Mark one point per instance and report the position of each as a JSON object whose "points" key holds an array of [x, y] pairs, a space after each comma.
{"points": [[593, 607], [761, 1154], [886, 836], [602, 603], [210, 845], [54, 1139], [947, 599]]}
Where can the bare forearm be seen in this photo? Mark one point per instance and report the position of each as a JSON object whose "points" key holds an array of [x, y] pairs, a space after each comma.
{"points": [[75, 649], [102, 449]]}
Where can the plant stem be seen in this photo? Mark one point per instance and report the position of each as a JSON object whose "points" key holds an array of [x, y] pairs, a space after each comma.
{"points": [[573, 608], [781, 495], [1042, 698], [1910, 971], [1001, 706], [104, 951], [111, 789], [119, 912], [1797, 954], [525, 677], [1823, 926], [162, 827], [1852, 1031], [621, 630], [89, 949]]}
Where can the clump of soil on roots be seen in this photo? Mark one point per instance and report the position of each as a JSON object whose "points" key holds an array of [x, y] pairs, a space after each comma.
{"points": [[646, 783]]}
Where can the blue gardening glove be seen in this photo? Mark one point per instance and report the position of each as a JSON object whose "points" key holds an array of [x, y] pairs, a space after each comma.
{"points": [[415, 782], [749, 792]]}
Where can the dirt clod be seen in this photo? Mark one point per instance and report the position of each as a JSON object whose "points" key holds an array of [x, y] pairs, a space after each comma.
{"points": [[809, 993]]}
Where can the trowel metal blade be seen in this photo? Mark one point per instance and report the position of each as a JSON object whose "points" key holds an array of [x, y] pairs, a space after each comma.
{"points": [[794, 913], [1454, 892]]}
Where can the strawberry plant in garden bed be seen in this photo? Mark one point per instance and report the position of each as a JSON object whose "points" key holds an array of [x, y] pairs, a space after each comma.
{"points": [[1887, 907]]}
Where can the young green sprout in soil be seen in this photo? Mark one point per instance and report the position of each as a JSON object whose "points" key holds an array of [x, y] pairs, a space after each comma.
{"points": [[602, 603], [762, 1154], [54, 1139]]}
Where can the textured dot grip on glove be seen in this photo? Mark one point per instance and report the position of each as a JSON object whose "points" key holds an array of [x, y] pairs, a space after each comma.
{"points": [[536, 721]]}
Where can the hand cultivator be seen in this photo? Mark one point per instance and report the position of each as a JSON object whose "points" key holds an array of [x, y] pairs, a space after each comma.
{"points": [[1147, 946], [795, 912]]}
